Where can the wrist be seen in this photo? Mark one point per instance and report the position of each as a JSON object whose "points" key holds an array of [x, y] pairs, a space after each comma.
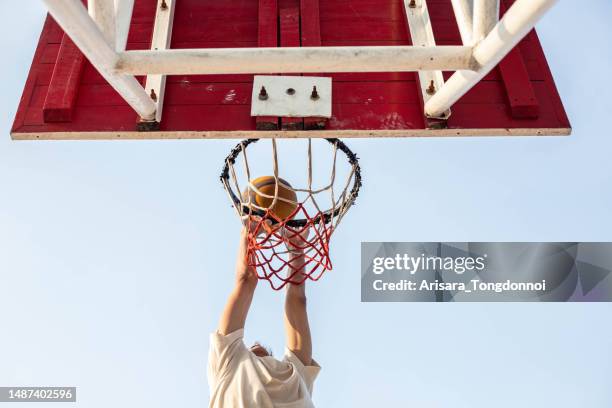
{"points": [[296, 290], [296, 294], [247, 279]]}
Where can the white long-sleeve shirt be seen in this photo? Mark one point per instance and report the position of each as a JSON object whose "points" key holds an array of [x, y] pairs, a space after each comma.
{"points": [[239, 379]]}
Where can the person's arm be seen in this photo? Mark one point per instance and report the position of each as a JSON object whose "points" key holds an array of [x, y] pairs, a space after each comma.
{"points": [[297, 329], [237, 307]]}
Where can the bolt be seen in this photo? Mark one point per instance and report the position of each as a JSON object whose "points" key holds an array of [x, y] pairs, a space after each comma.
{"points": [[412, 4], [290, 91], [314, 95], [153, 95], [432, 88], [263, 94], [164, 6]]}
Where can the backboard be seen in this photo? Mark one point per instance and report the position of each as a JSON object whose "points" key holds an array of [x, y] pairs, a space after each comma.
{"points": [[65, 96]]}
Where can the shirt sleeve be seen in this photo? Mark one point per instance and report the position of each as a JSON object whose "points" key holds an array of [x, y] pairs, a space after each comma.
{"points": [[223, 352], [308, 373]]}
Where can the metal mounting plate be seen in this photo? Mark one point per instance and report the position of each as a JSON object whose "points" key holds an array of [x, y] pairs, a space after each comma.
{"points": [[281, 101]]}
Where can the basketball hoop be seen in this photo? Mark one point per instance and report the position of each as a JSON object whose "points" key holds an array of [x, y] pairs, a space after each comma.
{"points": [[295, 248]]}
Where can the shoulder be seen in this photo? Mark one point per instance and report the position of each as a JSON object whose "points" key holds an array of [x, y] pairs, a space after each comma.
{"points": [[308, 373], [223, 339], [224, 346]]}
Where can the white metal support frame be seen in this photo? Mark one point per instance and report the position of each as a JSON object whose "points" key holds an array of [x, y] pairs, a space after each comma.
{"points": [[72, 16], [293, 60], [464, 14], [103, 38], [123, 18], [162, 35], [512, 28], [486, 15], [422, 35], [103, 13]]}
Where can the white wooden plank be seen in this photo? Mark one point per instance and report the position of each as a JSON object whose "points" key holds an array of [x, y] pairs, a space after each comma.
{"points": [[464, 14], [162, 36], [422, 35], [290, 134], [294, 60], [486, 16], [123, 18], [103, 13]]}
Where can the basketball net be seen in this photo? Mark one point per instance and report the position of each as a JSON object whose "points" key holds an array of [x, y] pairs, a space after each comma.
{"points": [[296, 248]]}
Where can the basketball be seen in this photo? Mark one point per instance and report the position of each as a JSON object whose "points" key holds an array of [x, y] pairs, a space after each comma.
{"points": [[266, 185]]}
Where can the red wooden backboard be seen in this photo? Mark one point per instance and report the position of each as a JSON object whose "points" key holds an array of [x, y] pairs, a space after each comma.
{"points": [[65, 98]]}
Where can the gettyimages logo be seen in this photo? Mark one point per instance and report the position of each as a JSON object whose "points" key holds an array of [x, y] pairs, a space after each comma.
{"points": [[412, 264], [485, 272]]}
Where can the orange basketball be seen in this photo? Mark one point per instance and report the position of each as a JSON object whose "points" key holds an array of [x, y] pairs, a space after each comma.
{"points": [[266, 185]]}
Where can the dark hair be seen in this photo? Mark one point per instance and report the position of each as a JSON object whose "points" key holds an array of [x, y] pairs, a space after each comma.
{"points": [[268, 349]]}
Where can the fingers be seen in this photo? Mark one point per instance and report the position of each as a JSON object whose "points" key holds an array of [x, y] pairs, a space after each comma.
{"points": [[256, 226], [296, 240]]}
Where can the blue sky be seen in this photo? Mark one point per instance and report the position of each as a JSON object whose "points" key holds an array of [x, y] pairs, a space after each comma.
{"points": [[116, 257]]}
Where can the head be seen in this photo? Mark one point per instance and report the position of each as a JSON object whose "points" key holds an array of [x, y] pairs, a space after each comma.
{"points": [[260, 351]]}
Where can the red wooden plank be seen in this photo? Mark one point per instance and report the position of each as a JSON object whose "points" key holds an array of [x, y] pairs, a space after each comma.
{"points": [[208, 117], [50, 53], [206, 30], [374, 93], [64, 87], [91, 76], [55, 34], [38, 96], [267, 36], [386, 116], [267, 30], [43, 74], [110, 118], [359, 33], [367, 11], [194, 11], [371, 76], [551, 95], [484, 110], [103, 95], [209, 94], [289, 19], [521, 97], [193, 79], [310, 19], [33, 75]]}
